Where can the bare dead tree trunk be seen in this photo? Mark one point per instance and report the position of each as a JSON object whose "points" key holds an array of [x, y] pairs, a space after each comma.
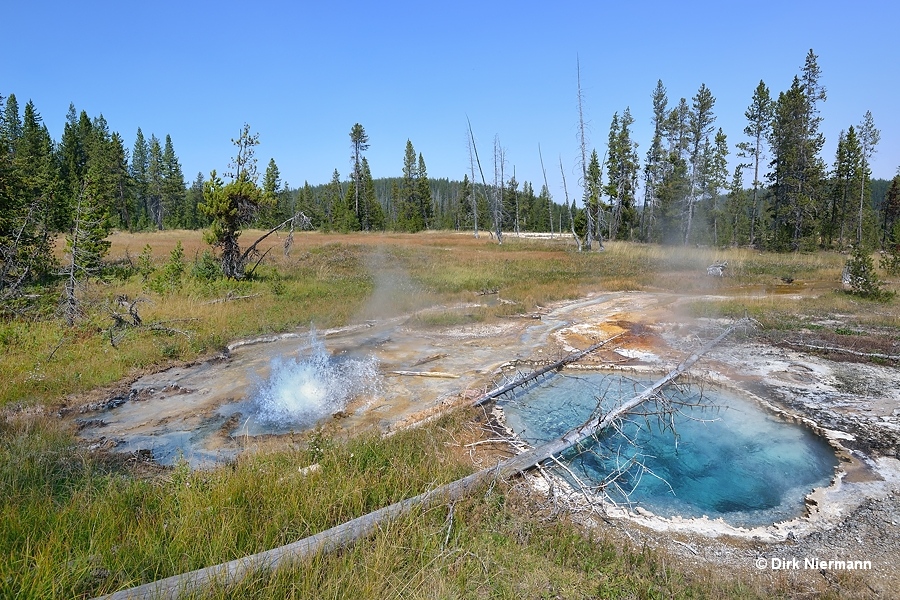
{"points": [[298, 219], [569, 206], [547, 187], [473, 198], [516, 198], [582, 142], [477, 160], [499, 188]]}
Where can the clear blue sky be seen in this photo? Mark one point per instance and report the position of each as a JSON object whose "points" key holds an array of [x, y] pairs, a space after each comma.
{"points": [[301, 74]]}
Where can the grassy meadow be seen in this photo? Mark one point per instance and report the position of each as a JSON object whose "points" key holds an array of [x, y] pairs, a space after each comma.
{"points": [[77, 524]]}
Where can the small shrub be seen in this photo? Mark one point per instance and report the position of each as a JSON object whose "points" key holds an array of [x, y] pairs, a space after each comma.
{"points": [[890, 260], [859, 275], [206, 267], [145, 263], [170, 278]]}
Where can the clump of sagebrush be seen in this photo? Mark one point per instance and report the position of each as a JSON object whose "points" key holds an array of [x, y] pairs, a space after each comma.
{"points": [[860, 276]]}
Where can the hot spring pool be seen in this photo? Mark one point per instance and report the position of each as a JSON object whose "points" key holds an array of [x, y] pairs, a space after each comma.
{"points": [[730, 458]]}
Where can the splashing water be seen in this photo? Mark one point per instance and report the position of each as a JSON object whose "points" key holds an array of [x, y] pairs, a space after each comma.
{"points": [[303, 390]]}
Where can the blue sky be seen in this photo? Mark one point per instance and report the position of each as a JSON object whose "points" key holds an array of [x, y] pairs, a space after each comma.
{"points": [[301, 74]]}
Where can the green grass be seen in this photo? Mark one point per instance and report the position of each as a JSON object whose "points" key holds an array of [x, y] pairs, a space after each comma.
{"points": [[75, 527]]}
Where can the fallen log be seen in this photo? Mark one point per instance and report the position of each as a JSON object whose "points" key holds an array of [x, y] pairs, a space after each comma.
{"points": [[429, 359], [827, 348], [346, 533], [556, 366], [231, 298], [425, 374]]}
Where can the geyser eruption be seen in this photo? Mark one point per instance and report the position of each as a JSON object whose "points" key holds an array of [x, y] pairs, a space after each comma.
{"points": [[303, 390]]}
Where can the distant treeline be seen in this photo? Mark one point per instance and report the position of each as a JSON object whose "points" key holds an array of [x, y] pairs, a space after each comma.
{"points": [[88, 182]]}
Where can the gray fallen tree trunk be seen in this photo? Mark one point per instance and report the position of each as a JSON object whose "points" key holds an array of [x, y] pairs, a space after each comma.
{"points": [[556, 366], [346, 533]]}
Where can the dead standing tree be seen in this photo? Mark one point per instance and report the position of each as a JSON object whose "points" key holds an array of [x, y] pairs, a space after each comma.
{"points": [[497, 222], [473, 198], [569, 207], [547, 187], [582, 146], [498, 190]]}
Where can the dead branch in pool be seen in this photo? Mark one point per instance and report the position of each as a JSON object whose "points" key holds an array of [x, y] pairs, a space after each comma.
{"points": [[347, 533], [601, 421], [499, 391]]}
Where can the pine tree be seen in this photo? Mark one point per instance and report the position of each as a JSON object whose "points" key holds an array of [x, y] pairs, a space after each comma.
{"points": [[738, 212], [172, 189], [155, 175], [654, 166], [868, 138], [716, 179], [28, 184], [410, 217], [123, 202], [372, 213], [890, 233], [674, 186], [622, 171], [847, 164], [594, 192], [140, 165], [333, 200], [86, 243], [72, 159], [10, 125], [541, 212], [759, 118], [423, 194], [271, 213], [797, 178], [311, 205], [701, 120], [193, 199], [359, 143], [234, 205]]}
